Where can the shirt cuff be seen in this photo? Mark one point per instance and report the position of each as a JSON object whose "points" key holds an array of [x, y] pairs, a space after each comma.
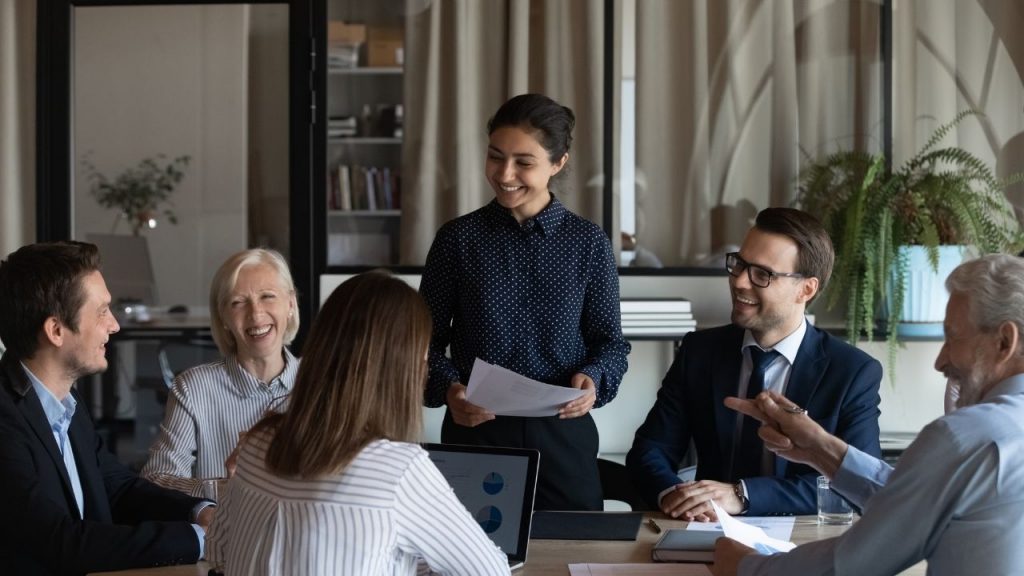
{"points": [[200, 507], [860, 475], [594, 372], [746, 497], [201, 535], [663, 493]]}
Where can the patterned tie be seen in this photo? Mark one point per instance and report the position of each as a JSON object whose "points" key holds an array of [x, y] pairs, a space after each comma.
{"points": [[749, 456]]}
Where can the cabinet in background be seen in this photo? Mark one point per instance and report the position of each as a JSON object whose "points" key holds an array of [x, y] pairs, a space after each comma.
{"points": [[365, 112]]}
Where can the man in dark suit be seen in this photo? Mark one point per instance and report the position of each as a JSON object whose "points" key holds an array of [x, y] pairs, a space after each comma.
{"points": [[69, 506], [784, 262]]}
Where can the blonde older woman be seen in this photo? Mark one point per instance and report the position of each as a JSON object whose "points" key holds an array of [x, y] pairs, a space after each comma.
{"points": [[253, 316]]}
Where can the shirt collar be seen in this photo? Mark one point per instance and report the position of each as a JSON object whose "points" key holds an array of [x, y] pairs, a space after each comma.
{"points": [[1012, 385], [787, 347], [56, 410], [546, 221], [249, 385]]}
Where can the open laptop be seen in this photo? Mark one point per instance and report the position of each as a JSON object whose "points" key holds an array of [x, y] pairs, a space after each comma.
{"points": [[497, 486]]}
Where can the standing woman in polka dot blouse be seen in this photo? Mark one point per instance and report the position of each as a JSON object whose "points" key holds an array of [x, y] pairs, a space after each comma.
{"points": [[525, 284]]}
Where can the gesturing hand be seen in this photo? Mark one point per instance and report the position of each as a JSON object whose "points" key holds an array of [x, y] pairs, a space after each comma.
{"points": [[463, 412], [791, 433]]}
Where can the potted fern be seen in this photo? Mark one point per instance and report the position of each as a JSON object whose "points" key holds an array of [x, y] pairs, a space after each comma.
{"points": [[877, 217]]}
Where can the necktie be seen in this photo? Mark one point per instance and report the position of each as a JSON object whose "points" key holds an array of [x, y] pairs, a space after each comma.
{"points": [[748, 461]]}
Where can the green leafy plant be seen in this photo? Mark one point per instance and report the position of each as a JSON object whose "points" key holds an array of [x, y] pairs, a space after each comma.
{"points": [[941, 196], [140, 192]]}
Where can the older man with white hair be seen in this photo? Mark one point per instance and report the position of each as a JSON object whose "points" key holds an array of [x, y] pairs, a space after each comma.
{"points": [[956, 498]]}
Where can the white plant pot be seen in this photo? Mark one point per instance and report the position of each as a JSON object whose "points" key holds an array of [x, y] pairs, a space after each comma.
{"points": [[924, 301]]}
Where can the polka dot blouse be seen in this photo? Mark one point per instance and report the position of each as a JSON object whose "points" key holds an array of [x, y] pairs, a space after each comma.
{"points": [[540, 298]]}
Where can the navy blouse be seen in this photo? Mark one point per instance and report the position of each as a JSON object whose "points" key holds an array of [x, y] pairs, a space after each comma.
{"points": [[541, 299]]}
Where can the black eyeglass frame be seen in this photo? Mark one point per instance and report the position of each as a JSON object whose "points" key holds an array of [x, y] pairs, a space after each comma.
{"points": [[734, 265]]}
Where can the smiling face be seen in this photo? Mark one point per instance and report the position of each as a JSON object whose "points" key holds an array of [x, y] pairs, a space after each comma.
{"points": [[967, 353], [83, 351], [257, 312], [774, 312], [519, 169]]}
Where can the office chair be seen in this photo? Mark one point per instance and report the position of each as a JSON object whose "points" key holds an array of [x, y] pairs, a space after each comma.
{"points": [[617, 485], [176, 357]]}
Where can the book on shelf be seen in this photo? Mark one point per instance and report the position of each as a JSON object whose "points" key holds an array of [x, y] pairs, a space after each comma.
{"points": [[359, 201], [344, 187], [387, 187], [657, 316], [678, 545], [687, 323], [341, 126], [654, 305], [371, 187], [364, 188], [657, 330]]}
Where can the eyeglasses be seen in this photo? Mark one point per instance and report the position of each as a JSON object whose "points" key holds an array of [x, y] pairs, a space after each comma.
{"points": [[759, 275]]}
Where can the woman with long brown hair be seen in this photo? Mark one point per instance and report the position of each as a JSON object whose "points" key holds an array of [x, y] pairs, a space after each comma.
{"points": [[335, 484]]}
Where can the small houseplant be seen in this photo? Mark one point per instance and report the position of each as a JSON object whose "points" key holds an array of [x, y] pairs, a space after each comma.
{"points": [[141, 192], [940, 196]]}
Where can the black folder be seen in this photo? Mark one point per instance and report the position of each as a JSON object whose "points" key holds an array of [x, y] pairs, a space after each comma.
{"points": [[549, 525]]}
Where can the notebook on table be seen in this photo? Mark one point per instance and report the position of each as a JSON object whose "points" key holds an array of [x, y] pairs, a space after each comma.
{"points": [[497, 486]]}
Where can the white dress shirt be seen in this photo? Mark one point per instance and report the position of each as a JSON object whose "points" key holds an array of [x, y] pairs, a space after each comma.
{"points": [[386, 510], [208, 406]]}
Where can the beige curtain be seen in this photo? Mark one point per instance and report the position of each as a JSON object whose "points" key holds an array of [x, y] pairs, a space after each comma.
{"points": [[952, 56], [17, 124], [730, 94], [463, 59]]}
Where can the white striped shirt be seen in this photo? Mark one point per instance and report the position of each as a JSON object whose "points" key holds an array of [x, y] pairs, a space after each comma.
{"points": [[387, 509], [208, 406]]}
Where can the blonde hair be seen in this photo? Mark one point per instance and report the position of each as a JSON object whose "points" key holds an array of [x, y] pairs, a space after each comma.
{"points": [[361, 379], [224, 283]]}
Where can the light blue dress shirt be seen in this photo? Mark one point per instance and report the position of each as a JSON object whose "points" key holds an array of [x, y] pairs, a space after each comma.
{"points": [[58, 415], [956, 499]]}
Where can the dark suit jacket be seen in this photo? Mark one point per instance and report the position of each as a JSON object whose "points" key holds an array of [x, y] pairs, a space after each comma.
{"points": [[835, 382], [128, 522]]}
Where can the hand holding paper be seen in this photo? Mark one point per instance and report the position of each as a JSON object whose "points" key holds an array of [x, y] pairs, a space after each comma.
{"points": [[506, 393], [749, 535]]}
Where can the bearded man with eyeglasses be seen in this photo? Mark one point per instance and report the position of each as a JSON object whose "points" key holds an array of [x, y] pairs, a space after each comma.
{"points": [[784, 263]]}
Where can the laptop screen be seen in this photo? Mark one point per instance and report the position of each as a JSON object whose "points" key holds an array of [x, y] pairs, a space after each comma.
{"points": [[497, 486]]}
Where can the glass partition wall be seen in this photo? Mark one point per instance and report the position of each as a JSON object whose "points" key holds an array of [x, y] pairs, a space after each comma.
{"points": [[715, 105], [180, 139]]}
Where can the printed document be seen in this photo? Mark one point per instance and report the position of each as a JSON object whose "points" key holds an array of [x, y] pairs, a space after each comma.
{"points": [[506, 393], [778, 527], [750, 535], [639, 570]]}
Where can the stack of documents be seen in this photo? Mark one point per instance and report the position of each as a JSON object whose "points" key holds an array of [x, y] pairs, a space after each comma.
{"points": [[341, 126], [667, 317]]}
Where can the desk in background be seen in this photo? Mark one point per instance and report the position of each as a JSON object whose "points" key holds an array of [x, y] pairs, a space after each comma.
{"points": [[137, 368], [552, 557]]}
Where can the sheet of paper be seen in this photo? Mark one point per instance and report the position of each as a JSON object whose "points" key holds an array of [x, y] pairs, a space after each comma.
{"points": [[506, 393], [750, 535], [778, 527], [663, 569]]}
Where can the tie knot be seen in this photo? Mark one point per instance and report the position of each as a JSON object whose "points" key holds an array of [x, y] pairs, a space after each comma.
{"points": [[760, 359]]}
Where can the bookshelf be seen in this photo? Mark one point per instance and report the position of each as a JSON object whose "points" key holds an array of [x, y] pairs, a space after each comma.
{"points": [[365, 116]]}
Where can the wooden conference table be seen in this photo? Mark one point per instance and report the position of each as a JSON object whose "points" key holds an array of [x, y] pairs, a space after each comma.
{"points": [[552, 557]]}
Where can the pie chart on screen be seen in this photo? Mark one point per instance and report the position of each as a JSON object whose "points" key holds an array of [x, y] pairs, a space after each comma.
{"points": [[493, 483], [489, 519]]}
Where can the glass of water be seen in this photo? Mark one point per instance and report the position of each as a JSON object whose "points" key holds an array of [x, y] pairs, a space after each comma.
{"points": [[832, 508]]}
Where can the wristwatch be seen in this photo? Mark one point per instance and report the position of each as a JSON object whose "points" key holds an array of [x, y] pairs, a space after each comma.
{"points": [[737, 489]]}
